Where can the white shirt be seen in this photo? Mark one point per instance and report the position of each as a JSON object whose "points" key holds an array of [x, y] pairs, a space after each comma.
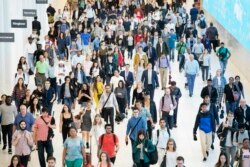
{"points": [[170, 26], [86, 66], [114, 81], [149, 77], [219, 81], [161, 141], [198, 48], [30, 48], [245, 158], [77, 59], [171, 159], [90, 13]]}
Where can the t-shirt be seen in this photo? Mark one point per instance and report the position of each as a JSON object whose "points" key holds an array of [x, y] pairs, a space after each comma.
{"points": [[85, 38], [73, 148], [115, 80], [42, 67], [245, 158], [108, 144]]}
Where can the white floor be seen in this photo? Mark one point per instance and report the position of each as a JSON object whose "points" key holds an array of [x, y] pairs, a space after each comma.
{"points": [[186, 147]]}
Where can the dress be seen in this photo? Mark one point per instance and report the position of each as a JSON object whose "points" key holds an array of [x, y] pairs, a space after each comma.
{"points": [[97, 93], [140, 70], [86, 124]]}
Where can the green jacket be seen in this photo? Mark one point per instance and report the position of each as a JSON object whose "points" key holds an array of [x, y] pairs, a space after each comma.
{"points": [[147, 144], [181, 47]]}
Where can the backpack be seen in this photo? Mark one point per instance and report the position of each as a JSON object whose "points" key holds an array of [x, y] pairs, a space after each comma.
{"points": [[102, 138], [153, 156], [23, 76], [202, 23]]}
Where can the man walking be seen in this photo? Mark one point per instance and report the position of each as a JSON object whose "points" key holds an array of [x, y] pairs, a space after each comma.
{"points": [[223, 54], [164, 67]]}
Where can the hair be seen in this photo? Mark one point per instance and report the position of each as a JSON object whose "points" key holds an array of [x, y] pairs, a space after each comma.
{"points": [[72, 127], [32, 106], [237, 76], [174, 146], [173, 83], [106, 125], [218, 164], [141, 132], [19, 162], [122, 84], [95, 123], [51, 158], [67, 77], [245, 140], [108, 159], [162, 120], [180, 158], [44, 109], [17, 84], [20, 62], [21, 122], [69, 109]]}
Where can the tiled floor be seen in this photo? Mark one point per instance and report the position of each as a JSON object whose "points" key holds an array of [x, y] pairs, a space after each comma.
{"points": [[186, 147]]}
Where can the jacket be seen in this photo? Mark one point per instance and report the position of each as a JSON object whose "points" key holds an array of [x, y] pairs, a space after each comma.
{"points": [[213, 95], [154, 79], [84, 79], [222, 80], [129, 80], [164, 49], [71, 89], [147, 144], [241, 117], [205, 122], [222, 132]]}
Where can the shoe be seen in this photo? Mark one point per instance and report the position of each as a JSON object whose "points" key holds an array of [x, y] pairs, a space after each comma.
{"points": [[175, 126], [204, 159], [4, 147], [207, 153], [212, 147], [87, 145], [10, 151]]}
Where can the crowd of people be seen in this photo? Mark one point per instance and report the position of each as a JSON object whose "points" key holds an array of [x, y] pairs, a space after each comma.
{"points": [[119, 53]]}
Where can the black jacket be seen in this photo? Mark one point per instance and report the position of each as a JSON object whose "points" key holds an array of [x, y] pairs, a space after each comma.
{"points": [[71, 89], [213, 96], [222, 132], [107, 69], [241, 117], [36, 25]]}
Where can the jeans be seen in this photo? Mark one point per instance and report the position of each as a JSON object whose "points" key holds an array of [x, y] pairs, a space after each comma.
{"points": [[223, 66], [58, 90], [230, 106], [108, 116], [230, 151], [24, 160], [75, 163], [47, 145], [182, 61], [204, 71], [191, 80], [31, 61], [164, 77], [172, 50], [151, 90], [7, 131], [68, 101], [168, 119], [175, 114], [128, 94]]}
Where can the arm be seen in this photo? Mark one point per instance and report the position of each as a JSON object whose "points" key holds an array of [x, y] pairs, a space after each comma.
{"points": [[115, 103], [84, 154], [15, 139], [60, 124], [197, 122], [63, 156]]}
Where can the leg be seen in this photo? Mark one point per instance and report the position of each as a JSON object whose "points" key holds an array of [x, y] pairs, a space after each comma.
{"points": [[128, 95], [165, 117], [40, 147], [77, 162], [24, 160], [64, 134], [203, 143], [192, 82], [58, 89], [209, 139], [111, 118], [10, 130], [206, 72], [170, 121], [4, 131], [175, 114], [222, 67], [161, 153], [232, 153], [105, 115], [189, 81], [203, 72], [165, 77], [161, 76], [69, 163], [112, 160], [49, 148]]}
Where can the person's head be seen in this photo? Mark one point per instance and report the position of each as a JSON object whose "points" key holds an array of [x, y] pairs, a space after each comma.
{"points": [[135, 112], [97, 119], [140, 49], [242, 103], [198, 40], [108, 128], [171, 145], [67, 79], [218, 72], [209, 82], [160, 40], [107, 88], [241, 127], [20, 82], [179, 161], [79, 53], [79, 66], [3, 98], [139, 85], [85, 86], [15, 161], [245, 143], [121, 84], [231, 80], [203, 107], [223, 159], [22, 125], [173, 84], [8, 100], [116, 73], [237, 78], [66, 109], [47, 85], [191, 57], [35, 101], [230, 116], [22, 60], [51, 161], [23, 109], [72, 132], [207, 99], [45, 112], [104, 158], [222, 44], [167, 91], [127, 67], [141, 135], [138, 104], [162, 123], [149, 66]]}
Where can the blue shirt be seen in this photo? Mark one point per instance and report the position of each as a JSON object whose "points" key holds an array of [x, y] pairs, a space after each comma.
{"points": [[131, 125], [192, 67], [171, 40], [73, 148], [85, 38], [28, 118]]}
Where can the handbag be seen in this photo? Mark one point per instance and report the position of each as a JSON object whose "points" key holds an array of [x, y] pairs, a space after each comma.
{"points": [[50, 132], [119, 117], [102, 113], [164, 161]]}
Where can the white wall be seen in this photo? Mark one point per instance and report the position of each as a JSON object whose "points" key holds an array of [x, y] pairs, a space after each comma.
{"points": [[11, 52]]}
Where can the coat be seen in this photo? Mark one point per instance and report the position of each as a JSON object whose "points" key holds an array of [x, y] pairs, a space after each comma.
{"points": [[213, 96], [71, 89], [147, 144], [129, 80], [241, 118], [144, 79], [164, 49]]}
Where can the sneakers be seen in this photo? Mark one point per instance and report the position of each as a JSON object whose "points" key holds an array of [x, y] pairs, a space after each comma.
{"points": [[175, 126], [10, 151], [87, 145], [4, 147], [212, 147], [207, 153], [204, 159]]}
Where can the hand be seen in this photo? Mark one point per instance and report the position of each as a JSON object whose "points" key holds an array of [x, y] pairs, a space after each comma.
{"points": [[126, 139], [195, 137], [139, 146], [146, 150]]}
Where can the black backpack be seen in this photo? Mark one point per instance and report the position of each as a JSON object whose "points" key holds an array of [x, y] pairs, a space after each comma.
{"points": [[203, 23], [153, 156]]}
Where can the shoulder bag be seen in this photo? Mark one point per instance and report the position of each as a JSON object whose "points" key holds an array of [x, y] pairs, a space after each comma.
{"points": [[102, 111]]}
